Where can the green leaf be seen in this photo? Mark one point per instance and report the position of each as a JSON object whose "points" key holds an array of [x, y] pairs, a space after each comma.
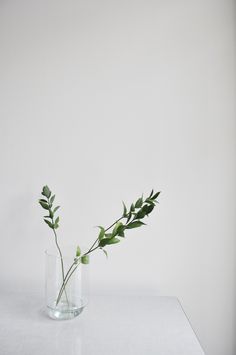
{"points": [[113, 241], [44, 205], [78, 251], [120, 231], [149, 208], [47, 217], [56, 226], [46, 191], [103, 242], [145, 211], [107, 241], [115, 230], [42, 200], [102, 232], [55, 209], [57, 220], [132, 208], [151, 194], [51, 213], [135, 224], [156, 195], [141, 213], [121, 234], [150, 201], [108, 235], [139, 203], [49, 223], [85, 259], [105, 252], [129, 217], [52, 199], [124, 209]]}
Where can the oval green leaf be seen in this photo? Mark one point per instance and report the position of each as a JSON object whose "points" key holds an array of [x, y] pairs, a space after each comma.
{"points": [[55, 209], [135, 224], [156, 195], [85, 259], [52, 199], [78, 251], [102, 233], [49, 223], [113, 241], [139, 203], [46, 191], [44, 205]]}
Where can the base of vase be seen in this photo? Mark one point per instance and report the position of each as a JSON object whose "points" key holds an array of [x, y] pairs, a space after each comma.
{"points": [[64, 311]]}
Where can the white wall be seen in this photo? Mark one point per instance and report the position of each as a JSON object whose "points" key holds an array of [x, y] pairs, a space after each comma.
{"points": [[103, 100]]}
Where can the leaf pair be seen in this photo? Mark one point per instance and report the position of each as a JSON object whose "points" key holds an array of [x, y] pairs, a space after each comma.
{"points": [[152, 197], [83, 258], [144, 211], [53, 225], [133, 206]]}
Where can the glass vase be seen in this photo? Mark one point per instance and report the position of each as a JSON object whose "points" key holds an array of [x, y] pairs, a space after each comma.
{"points": [[66, 286]]}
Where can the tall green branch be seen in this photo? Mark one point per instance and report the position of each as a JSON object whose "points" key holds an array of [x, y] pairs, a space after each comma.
{"points": [[47, 204]]}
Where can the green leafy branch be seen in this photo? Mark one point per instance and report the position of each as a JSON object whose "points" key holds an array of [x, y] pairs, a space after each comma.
{"points": [[52, 222], [137, 211], [131, 218]]}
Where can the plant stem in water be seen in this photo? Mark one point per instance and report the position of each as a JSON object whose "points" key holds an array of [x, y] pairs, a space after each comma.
{"points": [[62, 264]]}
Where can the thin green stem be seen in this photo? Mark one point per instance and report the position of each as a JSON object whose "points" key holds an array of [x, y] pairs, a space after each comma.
{"points": [[59, 250], [66, 280], [61, 289], [62, 263]]}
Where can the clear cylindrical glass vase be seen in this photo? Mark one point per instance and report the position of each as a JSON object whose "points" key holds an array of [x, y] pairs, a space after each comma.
{"points": [[66, 290]]}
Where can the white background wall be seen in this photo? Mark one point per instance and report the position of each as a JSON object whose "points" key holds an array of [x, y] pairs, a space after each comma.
{"points": [[103, 100]]}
